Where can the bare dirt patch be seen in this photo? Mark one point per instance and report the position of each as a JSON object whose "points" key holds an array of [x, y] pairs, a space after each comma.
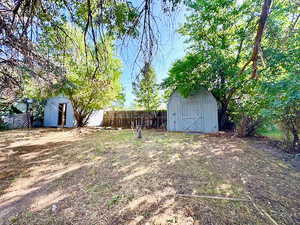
{"points": [[49, 176]]}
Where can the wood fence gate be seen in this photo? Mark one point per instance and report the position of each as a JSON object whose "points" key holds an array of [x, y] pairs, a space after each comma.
{"points": [[128, 119]]}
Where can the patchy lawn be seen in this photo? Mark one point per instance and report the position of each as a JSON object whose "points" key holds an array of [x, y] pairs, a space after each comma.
{"points": [[49, 176]]}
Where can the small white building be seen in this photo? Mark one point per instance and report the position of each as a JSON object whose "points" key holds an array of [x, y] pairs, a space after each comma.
{"points": [[58, 105], [196, 113]]}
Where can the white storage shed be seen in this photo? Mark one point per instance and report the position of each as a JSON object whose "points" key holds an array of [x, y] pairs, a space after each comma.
{"points": [[57, 105], [196, 113]]}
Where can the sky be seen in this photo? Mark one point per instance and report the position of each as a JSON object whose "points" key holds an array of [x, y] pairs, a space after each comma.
{"points": [[171, 47]]}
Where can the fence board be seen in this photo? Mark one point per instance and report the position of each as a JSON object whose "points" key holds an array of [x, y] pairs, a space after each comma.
{"points": [[128, 119]]}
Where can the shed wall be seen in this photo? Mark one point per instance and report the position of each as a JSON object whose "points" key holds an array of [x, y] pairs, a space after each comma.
{"points": [[96, 119], [198, 112], [51, 112]]}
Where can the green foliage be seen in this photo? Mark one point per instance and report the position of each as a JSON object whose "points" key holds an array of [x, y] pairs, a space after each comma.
{"points": [[37, 108], [90, 85], [203, 69], [116, 199], [117, 18], [284, 108], [6, 109], [87, 82], [146, 91], [283, 94], [119, 103], [282, 74], [27, 25], [92, 75], [3, 126], [120, 18], [271, 131], [220, 34]]}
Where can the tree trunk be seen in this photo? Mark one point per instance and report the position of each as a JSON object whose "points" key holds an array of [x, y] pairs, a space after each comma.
{"points": [[81, 117], [63, 115], [224, 123], [79, 120], [257, 42], [139, 131], [247, 126], [222, 119], [296, 141]]}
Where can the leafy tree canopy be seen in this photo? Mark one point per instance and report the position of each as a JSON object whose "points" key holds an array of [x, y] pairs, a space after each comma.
{"points": [[25, 23], [89, 85], [220, 34]]}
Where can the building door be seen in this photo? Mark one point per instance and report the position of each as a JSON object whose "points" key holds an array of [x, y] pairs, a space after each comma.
{"points": [[174, 114], [62, 114], [193, 114]]}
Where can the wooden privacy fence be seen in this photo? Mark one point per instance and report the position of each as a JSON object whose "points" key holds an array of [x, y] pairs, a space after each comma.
{"points": [[129, 119]]}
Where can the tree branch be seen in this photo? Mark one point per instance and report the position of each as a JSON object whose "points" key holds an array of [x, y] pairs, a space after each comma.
{"points": [[257, 41]]}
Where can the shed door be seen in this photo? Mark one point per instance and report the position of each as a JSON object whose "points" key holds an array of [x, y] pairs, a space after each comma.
{"points": [[174, 114], [62, 114], [192, 115]]}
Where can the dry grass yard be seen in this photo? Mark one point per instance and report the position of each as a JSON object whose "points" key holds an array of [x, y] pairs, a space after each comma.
{"points": [[50, 176]]}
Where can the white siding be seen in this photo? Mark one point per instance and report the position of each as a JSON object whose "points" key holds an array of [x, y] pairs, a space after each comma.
{"points": [[198, 112], [51, 113], [96, 119]]}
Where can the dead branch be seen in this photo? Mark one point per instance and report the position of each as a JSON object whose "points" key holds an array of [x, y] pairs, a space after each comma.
{"points": [[213, 197], [262, 211]]}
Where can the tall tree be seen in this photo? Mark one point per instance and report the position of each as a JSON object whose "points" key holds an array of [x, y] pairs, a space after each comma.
{"points": [[88, 88], [221, 36], [146, 90], [23, 23]]}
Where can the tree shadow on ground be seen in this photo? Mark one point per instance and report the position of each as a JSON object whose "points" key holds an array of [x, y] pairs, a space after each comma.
{"points": [[19, 160], [138, 182]]}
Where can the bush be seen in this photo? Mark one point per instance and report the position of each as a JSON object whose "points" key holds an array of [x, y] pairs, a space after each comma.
{"points": [[284, 108], [247, 126], [289, 124], [3, 126]]}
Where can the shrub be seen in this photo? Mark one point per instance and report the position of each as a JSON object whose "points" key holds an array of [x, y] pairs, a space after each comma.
{"points": [[3, 125], [284, 109], [248, 126]]}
